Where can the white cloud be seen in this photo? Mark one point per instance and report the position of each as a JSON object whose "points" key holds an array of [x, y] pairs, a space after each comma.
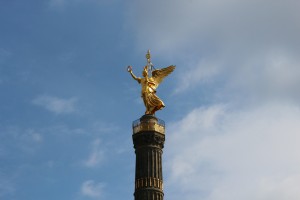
{"points": [[4, 54], [104, 127], [217, 153], [248, 45], [55, 104], [6, 186], [32, 136], [96, 156], [24, 141], [174, 25], [272, 75], [92, 189], [61, 4], [197, 74], [58, 4], [29, 140]]}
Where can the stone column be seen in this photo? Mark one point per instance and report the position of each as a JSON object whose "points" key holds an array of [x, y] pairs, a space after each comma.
{"points": [[148, 139]]}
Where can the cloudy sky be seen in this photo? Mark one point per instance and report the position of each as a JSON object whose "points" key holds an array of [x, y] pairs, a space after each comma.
{"points": [[232, 104]]}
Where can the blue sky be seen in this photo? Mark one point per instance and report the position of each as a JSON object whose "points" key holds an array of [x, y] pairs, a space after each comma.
{"points": [[232, 104]]}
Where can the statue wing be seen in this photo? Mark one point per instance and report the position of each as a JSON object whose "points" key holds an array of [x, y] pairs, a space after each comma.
{"points": [[158, 75]]}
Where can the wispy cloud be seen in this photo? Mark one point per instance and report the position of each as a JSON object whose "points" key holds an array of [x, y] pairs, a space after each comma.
{"points": [[29, 140], [196, 74], [61, 4], [233, 44], [219, 153], [55, 104], [4, 54], [25, 141], [57, 4], [96, 155], [104, 127], [32, 135], [92, 189], [218, 30], [6, 187]]}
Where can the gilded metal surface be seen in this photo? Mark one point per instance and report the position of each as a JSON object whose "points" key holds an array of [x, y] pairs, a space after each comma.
{"points": [[149, 84], [149, 182], [149, 127]]}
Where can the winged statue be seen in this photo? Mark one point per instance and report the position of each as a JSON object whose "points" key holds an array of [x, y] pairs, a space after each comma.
{"points": [[149, 85]]}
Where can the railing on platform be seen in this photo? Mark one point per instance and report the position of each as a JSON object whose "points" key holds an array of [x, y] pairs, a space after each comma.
{"points": [[152, 124]]}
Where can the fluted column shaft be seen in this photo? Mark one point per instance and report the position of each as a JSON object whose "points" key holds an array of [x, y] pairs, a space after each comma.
{"points": [[148, 143]]}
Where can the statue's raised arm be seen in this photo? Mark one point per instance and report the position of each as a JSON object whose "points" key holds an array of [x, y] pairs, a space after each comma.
{"points": [[129, 69], [149, 84]]}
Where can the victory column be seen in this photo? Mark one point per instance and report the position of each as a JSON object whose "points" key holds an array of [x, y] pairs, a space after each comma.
{"points": [[149, 135]]}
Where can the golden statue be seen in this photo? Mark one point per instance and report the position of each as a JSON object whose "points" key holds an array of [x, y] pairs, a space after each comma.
{"points": [[149, 84]]}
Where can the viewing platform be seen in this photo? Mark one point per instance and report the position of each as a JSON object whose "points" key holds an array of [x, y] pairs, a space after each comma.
{"points": [[148, 123]]}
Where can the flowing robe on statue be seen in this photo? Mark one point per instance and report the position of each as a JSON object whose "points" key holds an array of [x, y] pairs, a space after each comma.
{"points": [[151, 101]]}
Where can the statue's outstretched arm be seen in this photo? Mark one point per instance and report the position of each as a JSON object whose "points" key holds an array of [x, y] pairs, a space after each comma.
{"points": [[133, 76]]}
